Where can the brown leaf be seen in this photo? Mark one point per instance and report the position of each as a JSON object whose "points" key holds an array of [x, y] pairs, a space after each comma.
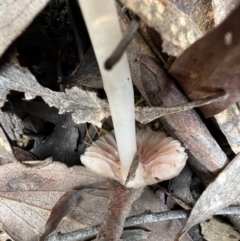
{"points": [[222, 8], [211, 64], [229, 122], [177, 30], [27, 196], [219, 231], [62, 208], [6, 153], [85, 106], [199, 11], [229, 119], [15, 16], [163, 230], [219, 194], [11, 123]]}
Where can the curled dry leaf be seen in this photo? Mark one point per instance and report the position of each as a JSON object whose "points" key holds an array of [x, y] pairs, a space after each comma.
{"points": [[219, 194], [177, 30], [62, 208], [200, 78], [15, 16], [161, 158], [85, 106], [217, 230]]}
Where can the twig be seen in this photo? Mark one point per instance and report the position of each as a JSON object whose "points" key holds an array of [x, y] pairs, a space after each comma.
{"points": [[37, 165], [175, 198], [146, 217], [122, 46], [132, 170], [147, 114]]}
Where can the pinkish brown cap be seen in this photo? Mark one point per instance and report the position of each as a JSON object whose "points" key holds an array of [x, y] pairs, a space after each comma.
{"points": [[162, 158]]}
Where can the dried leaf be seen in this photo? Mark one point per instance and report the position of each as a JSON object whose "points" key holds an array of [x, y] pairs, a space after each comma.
{"points": [[11, 123], [62, 208], [199, 78], [87, 73], [177, 30], [148, 201], [229, 122], [15, 16], [222, 8], [229, 119], [6, 153], [27, 196], [219, 194], [215, 230], [85, 106], [199, 11]]}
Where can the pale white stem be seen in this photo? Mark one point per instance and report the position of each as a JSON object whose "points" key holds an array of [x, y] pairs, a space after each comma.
{"points": [[103, 26]]}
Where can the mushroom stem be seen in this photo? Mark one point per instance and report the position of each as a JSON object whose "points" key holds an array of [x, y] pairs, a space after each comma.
{"points": [[103, 27]]}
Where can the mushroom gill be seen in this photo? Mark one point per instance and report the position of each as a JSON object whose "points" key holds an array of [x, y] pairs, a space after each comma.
{"points": [[162, 158]]}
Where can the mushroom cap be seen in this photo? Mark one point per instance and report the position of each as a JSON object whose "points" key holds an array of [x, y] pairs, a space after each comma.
{"points": [[161, 158]]}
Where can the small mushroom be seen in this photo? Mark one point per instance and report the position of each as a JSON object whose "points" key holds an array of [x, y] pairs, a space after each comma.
{"points": [[162, 158]]}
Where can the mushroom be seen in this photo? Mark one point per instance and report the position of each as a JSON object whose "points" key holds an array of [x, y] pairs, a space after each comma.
{"points": [[161, 158], [112, 155], [104, 29]]}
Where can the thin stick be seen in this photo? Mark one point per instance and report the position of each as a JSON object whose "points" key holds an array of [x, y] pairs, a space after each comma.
{"points": [[132, 171], [146, 217], [122, 46], [147, 114], [175, 198]]}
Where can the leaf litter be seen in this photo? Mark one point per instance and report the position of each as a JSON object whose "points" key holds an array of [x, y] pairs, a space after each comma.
{"points": [[86, 107], [28, 193]]}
